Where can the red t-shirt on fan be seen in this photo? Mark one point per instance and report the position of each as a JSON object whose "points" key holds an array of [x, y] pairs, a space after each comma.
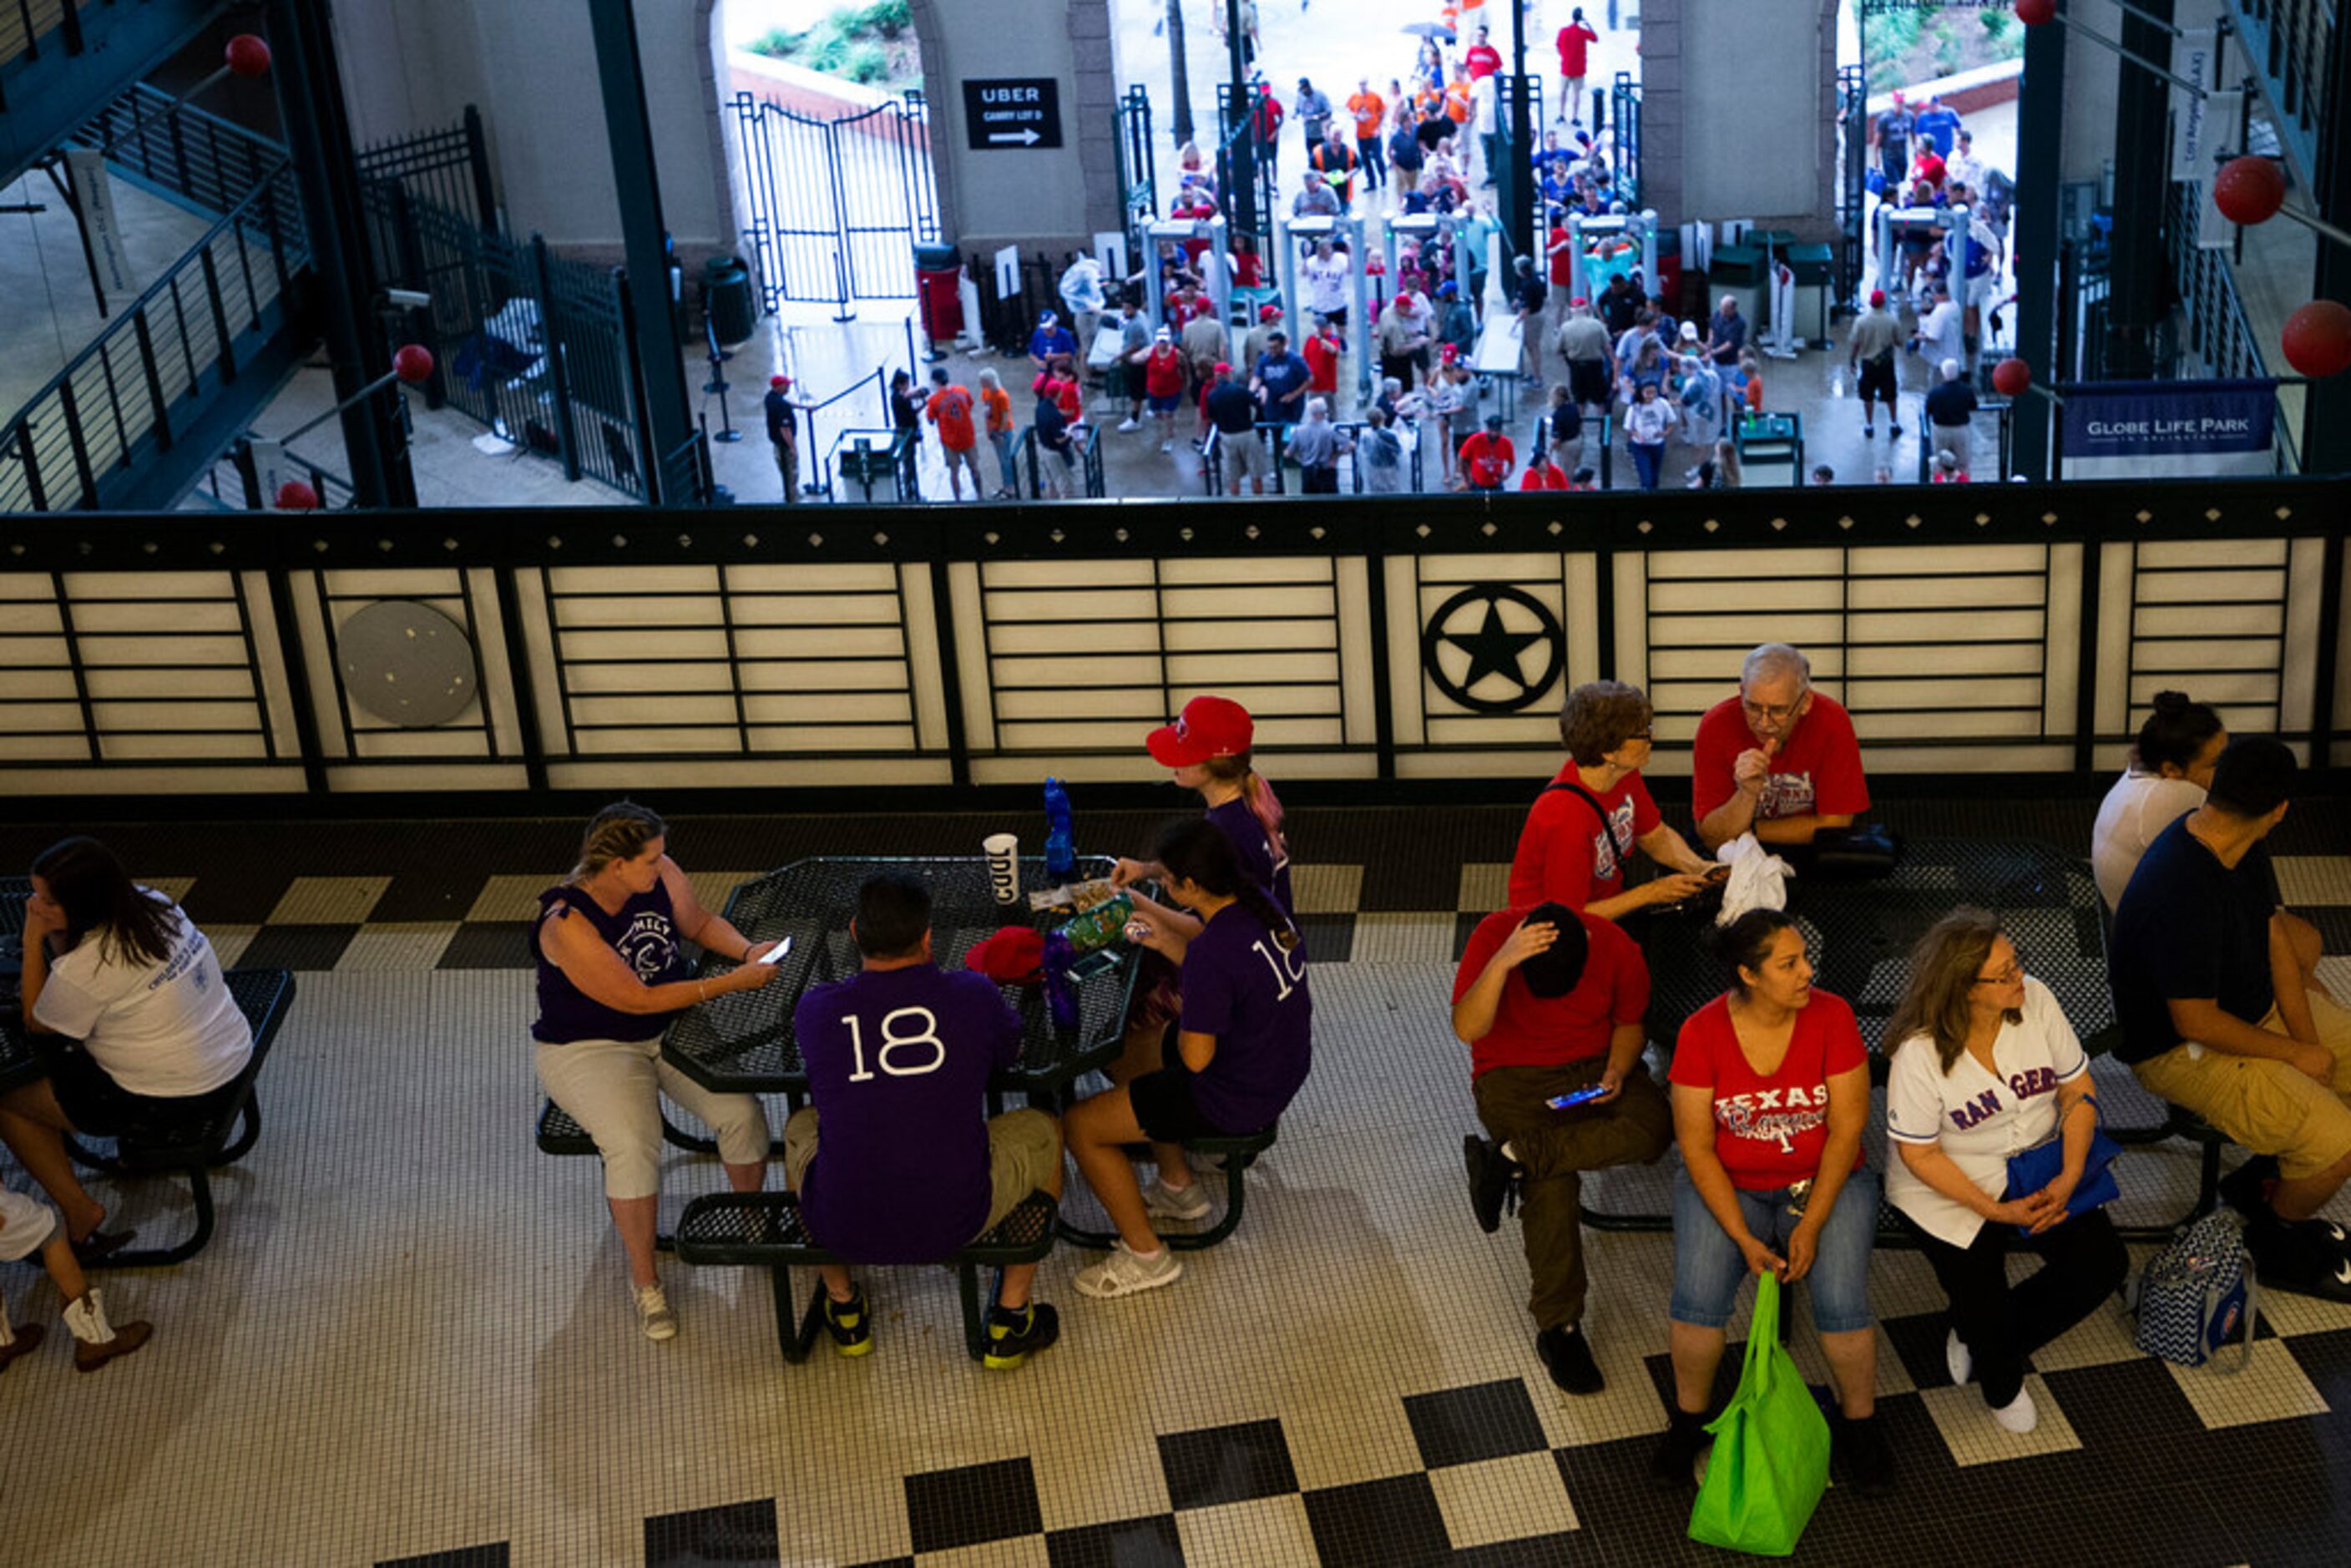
{"points": [[1574, 39], [1483, 60], [1769, 1132], [1565, 855], [1817, 770], [1551, 1032]]}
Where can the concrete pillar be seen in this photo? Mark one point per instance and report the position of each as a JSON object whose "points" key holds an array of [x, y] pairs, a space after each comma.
{"points": [[1052, 199], [1739, 113]]}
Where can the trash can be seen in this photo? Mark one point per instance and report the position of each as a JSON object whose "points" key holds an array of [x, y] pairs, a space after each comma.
{"points": [[1667, 284], [938, 280], [728, 300], [1813, 265]]}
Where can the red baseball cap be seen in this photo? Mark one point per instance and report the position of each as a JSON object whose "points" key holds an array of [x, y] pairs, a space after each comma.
{"points": [[779, 381], [1014, 955], [1877, 296], [1208, 726]]}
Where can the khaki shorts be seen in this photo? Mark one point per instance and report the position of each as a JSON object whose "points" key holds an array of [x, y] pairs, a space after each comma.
{"points": [[1024, 1156], [1245, 457], [25, 1225], [2269, 1107]]}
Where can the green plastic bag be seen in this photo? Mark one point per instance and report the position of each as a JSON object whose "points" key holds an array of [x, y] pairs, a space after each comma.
{"points": [[1770, 1460]]}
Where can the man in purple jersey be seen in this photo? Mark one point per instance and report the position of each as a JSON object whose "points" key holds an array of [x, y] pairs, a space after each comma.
{"points": [[912, 1168]]}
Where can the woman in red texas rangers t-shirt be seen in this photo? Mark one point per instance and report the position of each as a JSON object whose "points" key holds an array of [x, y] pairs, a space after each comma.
{"points": [[1771, 1090]]}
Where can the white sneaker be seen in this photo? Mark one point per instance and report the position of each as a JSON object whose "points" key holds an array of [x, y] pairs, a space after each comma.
{"points": [[1168, 446], [1128, 424], [2018, 1414], [1962, 1364], [1163, 1202], [1123, 1273], [654, 1314]]}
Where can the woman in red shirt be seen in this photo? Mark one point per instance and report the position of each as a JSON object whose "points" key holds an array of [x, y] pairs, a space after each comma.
{"points": [[1771, 1090]]}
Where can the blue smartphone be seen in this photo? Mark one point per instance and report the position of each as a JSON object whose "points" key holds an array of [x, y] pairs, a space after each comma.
{"points": [[1581, 1097]]}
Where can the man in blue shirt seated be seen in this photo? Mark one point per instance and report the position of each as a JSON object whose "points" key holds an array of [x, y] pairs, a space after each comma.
{"points": [[2218, 1017], [1049, 339], [912, 1168]]}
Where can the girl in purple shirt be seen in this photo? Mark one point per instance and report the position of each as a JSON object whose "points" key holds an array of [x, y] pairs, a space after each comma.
{"points": [[1208, 749], [1229, 1065]]}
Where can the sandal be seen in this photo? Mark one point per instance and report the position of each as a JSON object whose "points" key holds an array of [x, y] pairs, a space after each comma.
{"points": [[100, 1245]]}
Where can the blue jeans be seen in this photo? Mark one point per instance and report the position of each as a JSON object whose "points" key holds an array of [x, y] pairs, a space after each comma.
{"points": [[1708, 1266], [1648, 458]]}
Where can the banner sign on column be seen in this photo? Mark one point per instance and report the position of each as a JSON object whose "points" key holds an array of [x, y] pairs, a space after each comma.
{"points": [[2139, 430], [2192, 124], [2223, 111], [94, 194]]}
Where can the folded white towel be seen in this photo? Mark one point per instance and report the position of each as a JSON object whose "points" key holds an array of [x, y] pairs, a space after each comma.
{"points": [[1758, 879]]}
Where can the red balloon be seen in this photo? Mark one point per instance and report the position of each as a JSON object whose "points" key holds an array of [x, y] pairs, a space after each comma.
{"points": [[2317, 339], [2249, 190], [297, 496], [2033, 13], [412, 363], [2011, 377], [248, 55]]}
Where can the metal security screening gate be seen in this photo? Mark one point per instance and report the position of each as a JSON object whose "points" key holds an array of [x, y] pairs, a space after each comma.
{"points": [[836, 206]]}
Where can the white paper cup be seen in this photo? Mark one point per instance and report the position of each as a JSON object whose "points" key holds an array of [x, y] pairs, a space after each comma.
{"points": [[1003, 852]]}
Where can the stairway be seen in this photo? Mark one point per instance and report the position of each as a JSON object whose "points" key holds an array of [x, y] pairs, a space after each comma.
{"points": [[59, 57]]}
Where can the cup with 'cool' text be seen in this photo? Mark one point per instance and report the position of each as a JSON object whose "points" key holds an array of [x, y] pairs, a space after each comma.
{"points": [[1003, 852]]}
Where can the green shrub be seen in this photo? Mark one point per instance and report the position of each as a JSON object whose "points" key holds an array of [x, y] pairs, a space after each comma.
{"points": [[865, 63], [777, 42]]}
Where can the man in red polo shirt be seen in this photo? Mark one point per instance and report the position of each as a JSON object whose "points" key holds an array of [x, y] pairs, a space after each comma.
{"points": [[1779, 758], [1550, 1003]]}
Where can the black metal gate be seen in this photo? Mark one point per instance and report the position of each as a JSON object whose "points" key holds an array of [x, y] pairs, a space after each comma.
{"points": [[1627, 108], [836, 206], [1853, 159]]}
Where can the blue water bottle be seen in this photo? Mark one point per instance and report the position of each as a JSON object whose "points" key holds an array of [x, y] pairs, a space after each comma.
{"points": [[1061, 997], [1061, 849]]}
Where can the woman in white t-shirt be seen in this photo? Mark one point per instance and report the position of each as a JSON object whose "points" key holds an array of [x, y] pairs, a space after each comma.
{"points": [[2170, 769], [1985, 1066], [120, 968]]}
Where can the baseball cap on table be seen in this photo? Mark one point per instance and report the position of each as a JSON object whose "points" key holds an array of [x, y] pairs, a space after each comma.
{"points": [[1015, 954], [1208, 726]]}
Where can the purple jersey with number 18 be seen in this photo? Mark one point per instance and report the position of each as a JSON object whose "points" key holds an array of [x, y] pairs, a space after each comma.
{"points": [[898, 1062], [1244, 988]]}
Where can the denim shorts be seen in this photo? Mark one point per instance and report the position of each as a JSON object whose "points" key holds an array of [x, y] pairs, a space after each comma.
{"points": [[1708, 1267]]}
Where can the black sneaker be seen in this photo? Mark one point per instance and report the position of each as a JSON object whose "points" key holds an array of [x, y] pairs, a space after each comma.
{"points": [[1895, 430], [1569, 1356], [2307, 1257], [1861, 1455], [2247, 1188], [1489, 1180], [1014, 1336], [849, 1324], [1673, 1465]]}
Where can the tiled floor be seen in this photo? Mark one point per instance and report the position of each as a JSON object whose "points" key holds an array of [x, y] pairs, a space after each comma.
{"points": [[411, 1344]]}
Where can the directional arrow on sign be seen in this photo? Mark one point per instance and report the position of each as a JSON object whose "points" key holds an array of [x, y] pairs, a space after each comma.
{"points": [[1026, 138]]}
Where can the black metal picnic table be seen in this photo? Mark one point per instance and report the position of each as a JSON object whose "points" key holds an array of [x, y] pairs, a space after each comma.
{"points": [[742, 1041]]}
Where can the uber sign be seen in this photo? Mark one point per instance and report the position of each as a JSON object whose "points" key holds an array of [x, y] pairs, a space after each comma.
{"points": [[1001, 113]]}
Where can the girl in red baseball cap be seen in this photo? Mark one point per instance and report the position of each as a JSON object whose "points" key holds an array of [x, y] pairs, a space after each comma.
{"points": [[1208, 749]]}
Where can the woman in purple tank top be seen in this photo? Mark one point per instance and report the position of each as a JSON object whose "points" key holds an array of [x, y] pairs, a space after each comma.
{"points": [[610, 977]]}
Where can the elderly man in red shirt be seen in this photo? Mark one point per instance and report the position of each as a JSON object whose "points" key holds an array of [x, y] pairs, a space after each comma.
{"points": [[1780, 759]]}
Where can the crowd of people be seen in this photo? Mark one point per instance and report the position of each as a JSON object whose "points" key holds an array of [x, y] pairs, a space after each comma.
{"points": [[1769, 1091], [1766, 1097]]}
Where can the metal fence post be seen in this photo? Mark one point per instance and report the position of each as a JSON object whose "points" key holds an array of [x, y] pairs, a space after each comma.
{"points": [[477, 158], [567, 437]]}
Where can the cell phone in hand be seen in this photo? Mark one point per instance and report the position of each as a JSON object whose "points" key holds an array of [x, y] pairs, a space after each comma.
{"points": [[1581, 1097], [774, 953]]}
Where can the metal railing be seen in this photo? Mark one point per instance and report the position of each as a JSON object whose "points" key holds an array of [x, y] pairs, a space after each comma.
{"points": [[199, 156], [25, 24], [122, 392], [1626, 163], [992, 637], [2218, 335], [450, 168], [2288, 42]]}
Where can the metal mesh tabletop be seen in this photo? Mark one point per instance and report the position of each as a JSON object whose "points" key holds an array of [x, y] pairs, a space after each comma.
{"points": [[744, 1041], [1861, 933]]}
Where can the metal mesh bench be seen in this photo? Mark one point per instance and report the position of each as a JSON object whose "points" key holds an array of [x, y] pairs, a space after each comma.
{"points": [[1232, 1155], [765, 1231], [261, 995], [559, 1134]]}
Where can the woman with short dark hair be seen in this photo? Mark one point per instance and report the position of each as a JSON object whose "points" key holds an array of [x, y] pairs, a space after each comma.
{"points": [[1985, 1065], [1581, 833], [1771, 1092]]}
